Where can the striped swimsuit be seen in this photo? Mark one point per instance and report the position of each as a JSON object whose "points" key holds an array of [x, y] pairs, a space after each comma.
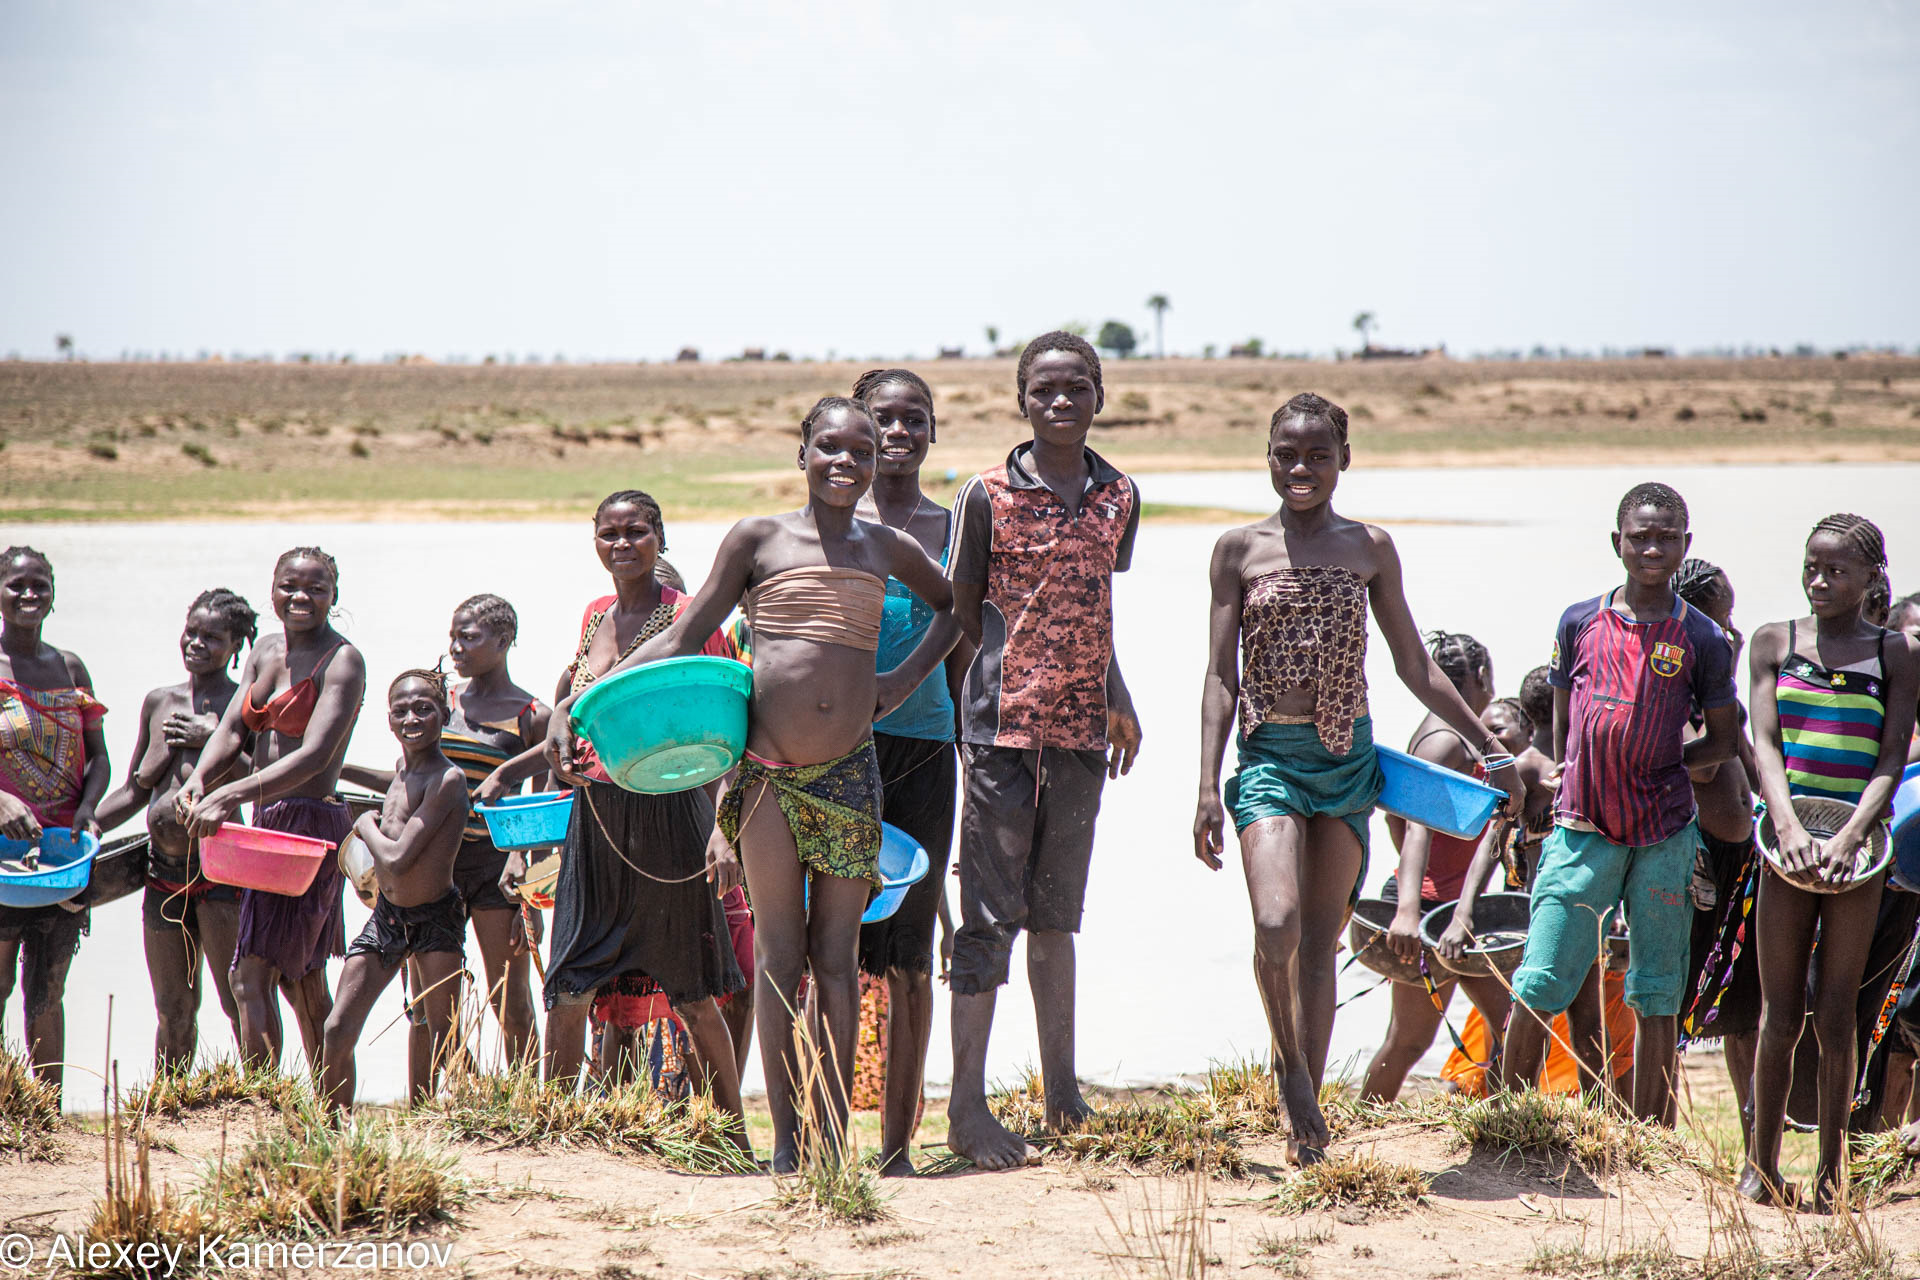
{"points": [[1830, 722], [477, 748]]}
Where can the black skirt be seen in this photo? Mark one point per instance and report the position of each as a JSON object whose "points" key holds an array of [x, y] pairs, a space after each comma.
{"points": [[632, 899]]}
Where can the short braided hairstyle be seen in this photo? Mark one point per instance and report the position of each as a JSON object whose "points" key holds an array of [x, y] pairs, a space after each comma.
{"points": [[873, 379], [436, 680], [1536, 697], [494, 613], [313, 553], [1877, 605], [1700, 582], [633, 498], [1862, 535], [23, 552], [235, 614], [1458, 655], [1310, 406], [1651, 494], [827, 404], [1057, 340]]}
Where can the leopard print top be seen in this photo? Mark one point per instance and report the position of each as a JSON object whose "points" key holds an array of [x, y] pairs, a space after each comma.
{"points": [[1305, 627]]}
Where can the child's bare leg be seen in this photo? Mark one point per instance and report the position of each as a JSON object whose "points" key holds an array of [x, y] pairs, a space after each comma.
{"points": [[714, 1067], [256, 989], [1587, 1032], [1491, 997], [439, 972], [1655, 1056], [1052, 973], [312, 1002], [219, 934], [567, 1039], [1898, 1089], [833, 948], [1846, 935], [44, 971], [173, 966], [738, 1013], [909, 1027], [1784, 920], [777, 883], [362, 980], [509, 988], [972, 1129], [1410, 1030], [1330, 874], [1739, 1050]]}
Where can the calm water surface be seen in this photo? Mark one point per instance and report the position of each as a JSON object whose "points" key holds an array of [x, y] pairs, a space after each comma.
{"points": [[1165, 977]]}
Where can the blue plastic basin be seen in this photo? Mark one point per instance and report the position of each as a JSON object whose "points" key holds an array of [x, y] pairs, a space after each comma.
{"points": [[65, 866], [903, 864], [1906, 829], [669, 725], [1434, 796], [536, 821]]}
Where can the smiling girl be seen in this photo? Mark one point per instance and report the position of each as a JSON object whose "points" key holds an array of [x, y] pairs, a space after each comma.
{"points": [[804, 809], [1287, 649], [300, 694]]}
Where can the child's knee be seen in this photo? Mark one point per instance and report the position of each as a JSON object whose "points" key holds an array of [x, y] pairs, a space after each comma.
{"points": [[1276, 935], [982, 957]]}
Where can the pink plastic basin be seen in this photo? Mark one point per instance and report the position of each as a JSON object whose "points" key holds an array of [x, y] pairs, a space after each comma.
{"points": [[255, 858]]}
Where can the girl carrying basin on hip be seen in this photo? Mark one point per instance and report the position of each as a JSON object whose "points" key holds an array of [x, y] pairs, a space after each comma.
{"points": [[300, 695], [804, 808], [1287, 650]]}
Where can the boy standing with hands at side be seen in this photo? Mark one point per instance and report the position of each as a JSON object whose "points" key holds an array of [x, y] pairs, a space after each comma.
{"points": [[1628, 668], [1044, 720]]}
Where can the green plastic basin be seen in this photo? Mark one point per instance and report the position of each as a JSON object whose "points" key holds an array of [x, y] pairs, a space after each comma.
{"points": [[670, 725]]}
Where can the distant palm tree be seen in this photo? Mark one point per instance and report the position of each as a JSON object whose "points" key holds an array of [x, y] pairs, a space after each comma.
{"points": [[993, 339], [63, 343], [1364, 322], [1158, 304]]}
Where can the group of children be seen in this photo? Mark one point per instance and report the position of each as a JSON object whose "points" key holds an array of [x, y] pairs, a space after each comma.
{"points": [[901, 653]]}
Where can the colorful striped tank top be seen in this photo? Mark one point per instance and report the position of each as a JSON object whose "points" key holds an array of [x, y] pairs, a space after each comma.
{"points": [[1830, 724], [477, 750]]}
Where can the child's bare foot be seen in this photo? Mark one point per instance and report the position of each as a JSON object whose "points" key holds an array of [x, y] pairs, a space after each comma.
{"points": [[1310, 1135], [785, 1160], [897, 1166], [974, 1133], [1826, 1189], [1768, 1189], [1910, 1138], [1066, 1113]]}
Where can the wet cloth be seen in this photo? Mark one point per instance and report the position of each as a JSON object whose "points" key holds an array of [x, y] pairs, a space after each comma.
{"points": [[1026, 846], [1724, 963], [1286, 770], [394, 933], [1039, 677], [633, 1000], [476, 877], [43, 747], [296, 935], [918, 777], [1305, 627], [633, 898], [833, 809], [1582, 877]]}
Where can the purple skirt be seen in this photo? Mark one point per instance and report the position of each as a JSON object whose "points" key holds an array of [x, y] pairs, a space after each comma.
{"points": [[296, 935]]}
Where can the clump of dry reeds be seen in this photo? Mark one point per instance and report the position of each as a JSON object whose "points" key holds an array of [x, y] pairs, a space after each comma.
{"points": [[514, 1108], [1548, 1125], [1156, 1241], [29, 1109], [829, 1180], [1192, 1130], [211, 1084]]}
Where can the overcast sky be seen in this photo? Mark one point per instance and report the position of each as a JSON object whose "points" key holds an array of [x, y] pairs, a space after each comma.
{"points": [[865, 178]]}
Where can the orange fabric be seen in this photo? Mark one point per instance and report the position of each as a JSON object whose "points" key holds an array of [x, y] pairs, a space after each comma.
{"points": [[1562, 1073]]}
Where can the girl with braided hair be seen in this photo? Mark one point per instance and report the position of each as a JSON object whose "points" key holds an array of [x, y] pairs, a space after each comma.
{"points": [[186, 916], [300, 696], [1434, 869], [1833, 709]]}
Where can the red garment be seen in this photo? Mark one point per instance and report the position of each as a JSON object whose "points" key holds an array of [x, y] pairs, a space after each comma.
{"points": [[1448, 859], [43, 747], [286, 713]]}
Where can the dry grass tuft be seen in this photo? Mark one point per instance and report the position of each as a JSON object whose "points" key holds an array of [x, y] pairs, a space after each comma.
{"points": [[1543, 1125], [1188, 1131], [211, 1084], [29, 1110], [132, 1212], [1656, 1261], [516, 1109], [1158, 1241], [1879, 1163], [831, 1181], [1352, 1182]]}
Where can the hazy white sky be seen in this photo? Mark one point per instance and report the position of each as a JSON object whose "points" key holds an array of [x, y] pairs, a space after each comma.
{"points": [[619, 180]]}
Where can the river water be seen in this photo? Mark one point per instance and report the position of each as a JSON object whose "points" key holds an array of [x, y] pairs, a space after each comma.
{"points": [[1165, 979]]}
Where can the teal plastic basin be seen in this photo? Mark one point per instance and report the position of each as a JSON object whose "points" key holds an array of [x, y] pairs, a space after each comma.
{"points": [[670, 725], [1433, 796]]}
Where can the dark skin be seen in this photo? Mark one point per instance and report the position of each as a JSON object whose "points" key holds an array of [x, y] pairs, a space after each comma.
{"points": [[628, 545], [1416, 1014], [175, 723], [1059, 402], [1651, 543], [26, 598], [414, 841], [304, 591], [812, 702], [1835, 578], [490, 697], [906, 425]]}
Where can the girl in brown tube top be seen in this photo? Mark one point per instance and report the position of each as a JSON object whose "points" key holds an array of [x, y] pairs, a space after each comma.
{"points": [[1287, 649], [300, 694], [804, 807]]}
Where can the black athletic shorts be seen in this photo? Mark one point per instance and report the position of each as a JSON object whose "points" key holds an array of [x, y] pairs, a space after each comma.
{"points": [[917, 775], [394, 933]]}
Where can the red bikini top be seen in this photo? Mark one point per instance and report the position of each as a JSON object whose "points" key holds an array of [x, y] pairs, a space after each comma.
{"points": [[289, 712]]}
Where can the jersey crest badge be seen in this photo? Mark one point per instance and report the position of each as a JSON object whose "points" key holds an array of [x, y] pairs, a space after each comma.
{"points": [[1667, 658]]}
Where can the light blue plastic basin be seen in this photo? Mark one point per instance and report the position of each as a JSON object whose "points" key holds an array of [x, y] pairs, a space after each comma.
{"points": [[536, 821], [65, 866], [1435, 797], [670, 725], [1906, 829], [903, 864]]}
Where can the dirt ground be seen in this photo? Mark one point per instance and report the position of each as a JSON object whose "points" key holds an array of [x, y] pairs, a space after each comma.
{"points": [[575, 1213], [187, 441]]}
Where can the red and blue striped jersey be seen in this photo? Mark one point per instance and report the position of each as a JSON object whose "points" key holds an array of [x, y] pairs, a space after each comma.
{"points": [[1633, 686]]}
